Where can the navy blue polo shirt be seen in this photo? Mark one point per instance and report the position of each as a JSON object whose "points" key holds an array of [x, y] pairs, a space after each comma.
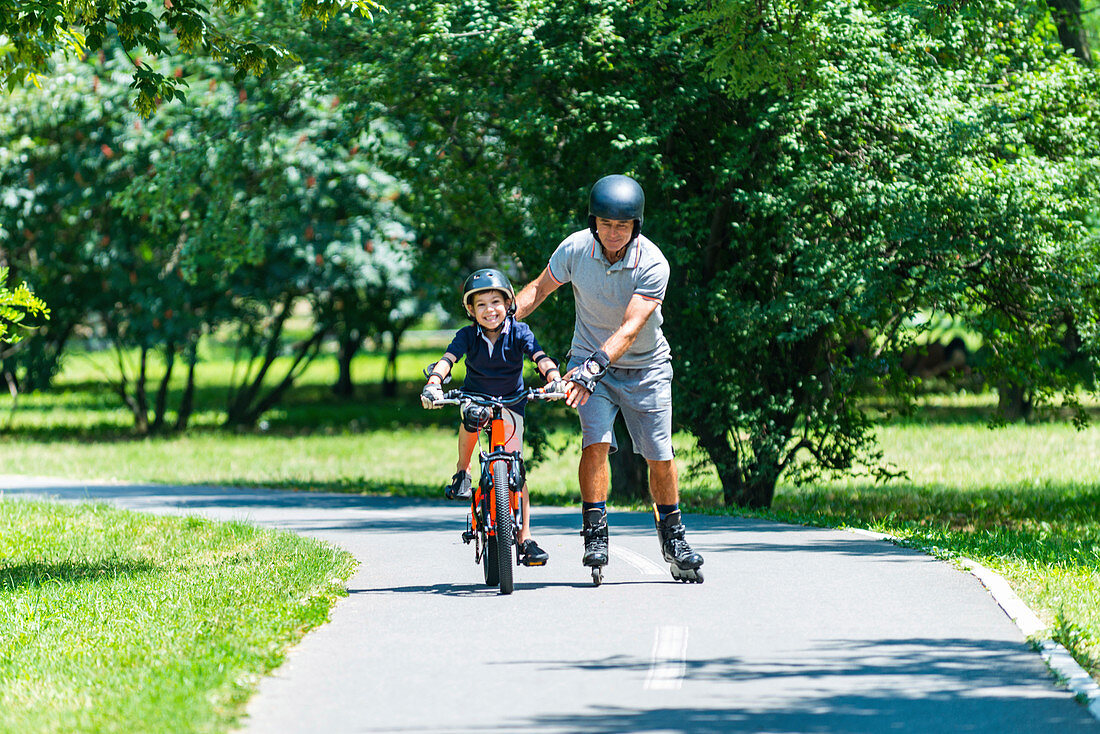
{"points": [[497, 372]]}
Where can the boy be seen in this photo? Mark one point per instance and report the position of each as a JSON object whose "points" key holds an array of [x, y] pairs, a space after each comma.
{"points": [[494, 346]]}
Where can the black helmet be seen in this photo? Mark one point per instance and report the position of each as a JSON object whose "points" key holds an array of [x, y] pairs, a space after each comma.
{"points": [[616, 197], [487, 279]]}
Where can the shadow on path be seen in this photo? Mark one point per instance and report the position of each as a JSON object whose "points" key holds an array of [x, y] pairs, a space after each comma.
{"points": [[483, 590], [912, 685], [39, 574]]}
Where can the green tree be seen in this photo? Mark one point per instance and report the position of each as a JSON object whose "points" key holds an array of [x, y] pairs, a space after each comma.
{"points": [[371, 294], [15, 306], [32, 32], [61, 161], [912, 171], [74, 149], [780, 44], [263, 191], [228, 212]]}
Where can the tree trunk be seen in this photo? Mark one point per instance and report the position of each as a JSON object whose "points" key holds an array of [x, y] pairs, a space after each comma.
{"points": [[389, 374], [140, 404], [187, 402], [1071, 31], [754, 490], [247, 413], [629, 471], [160, 405], [761, 476], [1014, 402], [724, 458], [244, 395], [752, 486], [347, 347]]}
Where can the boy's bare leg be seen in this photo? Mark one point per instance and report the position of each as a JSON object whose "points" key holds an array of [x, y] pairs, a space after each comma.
{"points": [[466, 443], [525, 532], [461, 484], [532, 555]]}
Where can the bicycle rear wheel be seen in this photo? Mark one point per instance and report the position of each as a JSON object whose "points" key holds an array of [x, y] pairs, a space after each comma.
{"points": [[502, 498]]}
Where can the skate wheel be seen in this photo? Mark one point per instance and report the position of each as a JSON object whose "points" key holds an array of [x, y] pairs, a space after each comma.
{"points": [[597, 575], [686, 576]]}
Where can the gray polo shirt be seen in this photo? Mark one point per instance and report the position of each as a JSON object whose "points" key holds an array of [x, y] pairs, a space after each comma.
{"points": [[602, 291]]}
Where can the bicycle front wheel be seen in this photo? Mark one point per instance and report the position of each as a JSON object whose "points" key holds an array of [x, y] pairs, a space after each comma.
{"points": [[488, 542], [504, 542]]}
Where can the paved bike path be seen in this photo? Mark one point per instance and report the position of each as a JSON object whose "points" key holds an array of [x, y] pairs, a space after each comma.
{"points": [[795, 629]]}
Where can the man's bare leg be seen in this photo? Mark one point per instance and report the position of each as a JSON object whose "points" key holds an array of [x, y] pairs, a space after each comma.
{"points": [[663, 484], [684, 562], [594, 476], [593, 473]]}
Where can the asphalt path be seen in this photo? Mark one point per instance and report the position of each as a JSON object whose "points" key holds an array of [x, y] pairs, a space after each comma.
{"points": [[794, 630]]}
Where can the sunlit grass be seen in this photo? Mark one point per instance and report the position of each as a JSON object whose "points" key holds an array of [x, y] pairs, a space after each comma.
{"points": [[115, 621]]}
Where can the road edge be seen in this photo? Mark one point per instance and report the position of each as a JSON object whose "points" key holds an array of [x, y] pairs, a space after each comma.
{"points": [[1057, 658]]}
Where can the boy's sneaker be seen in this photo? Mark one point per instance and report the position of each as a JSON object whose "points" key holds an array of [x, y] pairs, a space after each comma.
{"points": [[460, 487], [531, 555]]}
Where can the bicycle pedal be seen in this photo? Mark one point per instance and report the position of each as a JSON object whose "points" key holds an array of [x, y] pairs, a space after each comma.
{"points": [[468, 536]]}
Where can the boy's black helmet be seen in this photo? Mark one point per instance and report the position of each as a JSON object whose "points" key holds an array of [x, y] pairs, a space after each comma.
{"points": [[616, 197], [487, 279]]}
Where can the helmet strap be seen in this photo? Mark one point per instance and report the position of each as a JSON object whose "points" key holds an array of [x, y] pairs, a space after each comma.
{"points": [[498, 330], [592, 229]]}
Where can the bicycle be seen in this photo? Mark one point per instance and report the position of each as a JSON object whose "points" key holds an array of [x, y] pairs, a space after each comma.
{"points": [[496, 512]]}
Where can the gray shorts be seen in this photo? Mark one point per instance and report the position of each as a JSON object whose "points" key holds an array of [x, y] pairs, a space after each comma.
{"points": [[645, 398]]}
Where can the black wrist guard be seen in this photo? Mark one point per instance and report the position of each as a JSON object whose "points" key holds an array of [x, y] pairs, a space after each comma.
{"points": [[590, 371]]}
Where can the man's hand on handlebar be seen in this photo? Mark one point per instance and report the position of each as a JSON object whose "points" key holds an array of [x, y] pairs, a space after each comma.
{"points": [[575, 393], [584, 377]]}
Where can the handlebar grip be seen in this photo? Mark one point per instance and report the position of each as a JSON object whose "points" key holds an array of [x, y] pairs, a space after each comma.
{"points": [[548, 395]]}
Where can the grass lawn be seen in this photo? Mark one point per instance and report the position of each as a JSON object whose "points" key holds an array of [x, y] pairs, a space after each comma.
{"points": [[1022, 500], [116, 621]]}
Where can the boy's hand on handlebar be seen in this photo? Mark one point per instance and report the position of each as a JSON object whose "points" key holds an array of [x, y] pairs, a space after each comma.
{"points": [[430, 395], [555, 386]]}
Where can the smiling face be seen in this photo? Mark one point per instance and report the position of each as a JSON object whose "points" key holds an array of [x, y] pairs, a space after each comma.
{"points": [[614, 233], [490, 308]]}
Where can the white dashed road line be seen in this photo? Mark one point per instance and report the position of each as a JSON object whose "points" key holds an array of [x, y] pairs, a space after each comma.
{"points": [[642, 564], [666, 670]]}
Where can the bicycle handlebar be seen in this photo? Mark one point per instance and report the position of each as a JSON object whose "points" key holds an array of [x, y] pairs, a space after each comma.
{"points": [[457, 397]]}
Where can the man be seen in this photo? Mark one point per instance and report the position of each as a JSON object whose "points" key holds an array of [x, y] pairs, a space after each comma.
{"points": [[619, 360]]}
